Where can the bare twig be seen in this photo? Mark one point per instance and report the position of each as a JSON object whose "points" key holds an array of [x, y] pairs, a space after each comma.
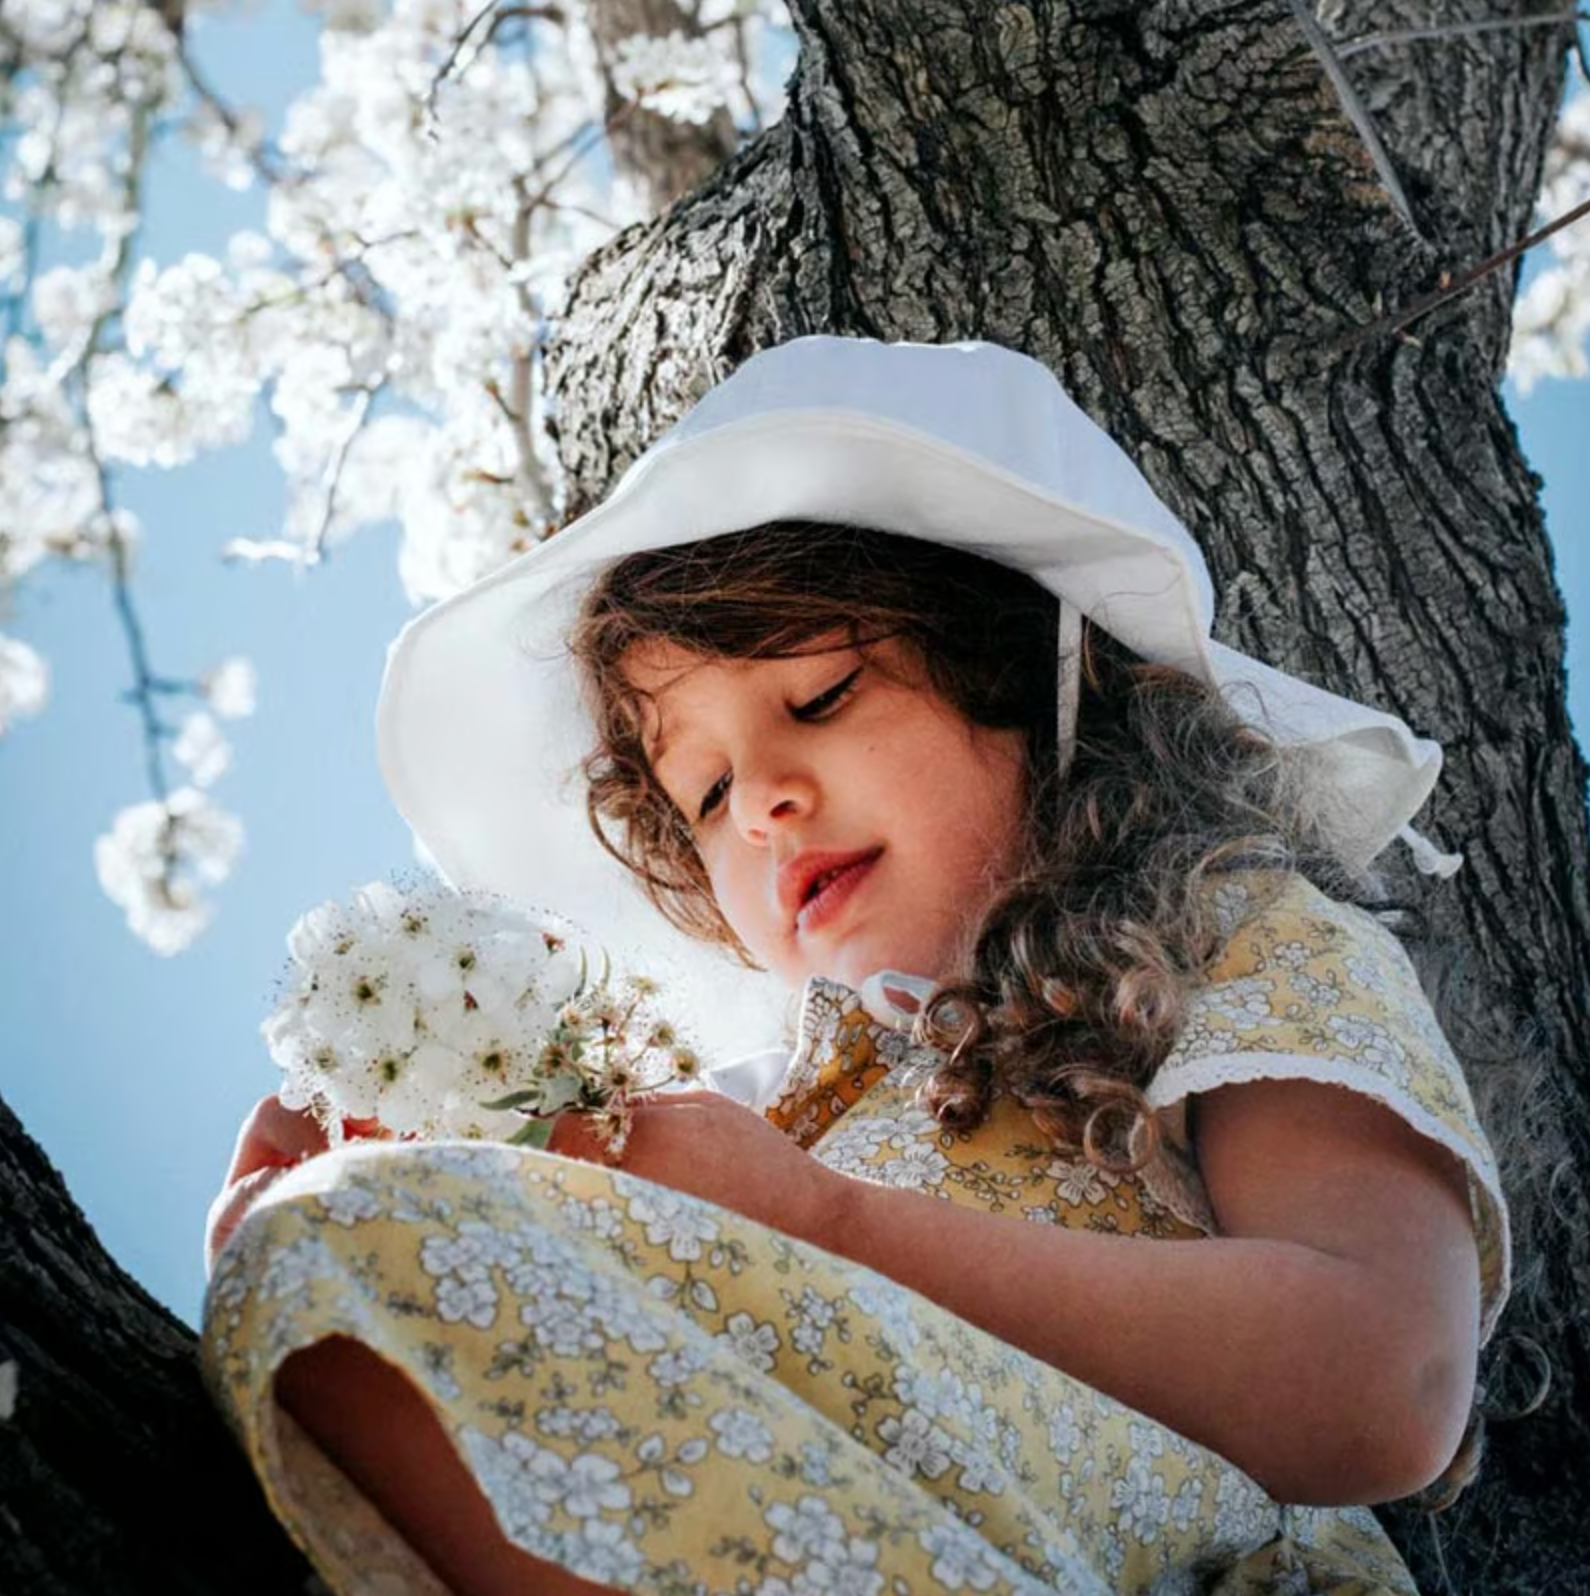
{"points": [[142, 692], [742, 60], [578, 145], [1320, 42], [571, 208], [261, 155], [16, 303], [331, 478], [1451, 30], [345, 266], [146, 685], [1396, 321], [455, 64], [531, 475]]}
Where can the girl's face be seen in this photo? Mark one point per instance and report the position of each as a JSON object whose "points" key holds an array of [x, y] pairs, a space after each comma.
{"points": [[848, 818]]}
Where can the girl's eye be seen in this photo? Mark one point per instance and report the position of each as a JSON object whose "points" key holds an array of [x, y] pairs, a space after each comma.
{"points": [[714, 796], [828, 701], [818, 708]]}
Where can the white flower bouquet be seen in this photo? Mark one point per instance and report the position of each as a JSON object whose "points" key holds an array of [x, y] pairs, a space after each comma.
{"points": [[440, 1013]]}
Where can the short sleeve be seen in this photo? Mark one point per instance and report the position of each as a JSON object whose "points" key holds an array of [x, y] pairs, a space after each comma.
{"points": [[1310, 989]]}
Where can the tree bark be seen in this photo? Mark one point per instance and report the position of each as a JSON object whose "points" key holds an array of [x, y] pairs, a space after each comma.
{"points": [[1174, 207], [117, 1477]]}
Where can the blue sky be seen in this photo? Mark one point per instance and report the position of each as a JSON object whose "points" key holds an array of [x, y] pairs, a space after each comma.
{"points": [[133, 1071]]}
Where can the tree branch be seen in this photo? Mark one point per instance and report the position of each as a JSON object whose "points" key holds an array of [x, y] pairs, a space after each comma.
{"points": [[1453, 287], [1348, 48], [1319, 42]]}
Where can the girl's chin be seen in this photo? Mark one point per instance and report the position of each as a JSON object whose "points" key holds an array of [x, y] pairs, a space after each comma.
{"points": [[853, 967]]}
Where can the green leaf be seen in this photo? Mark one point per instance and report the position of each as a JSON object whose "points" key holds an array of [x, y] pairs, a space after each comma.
{"points": [[562, 1091], [533, 1133], [513, 1100]]}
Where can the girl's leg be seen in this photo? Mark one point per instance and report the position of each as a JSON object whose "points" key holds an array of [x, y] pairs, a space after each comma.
{"points": [[382, 1434]]}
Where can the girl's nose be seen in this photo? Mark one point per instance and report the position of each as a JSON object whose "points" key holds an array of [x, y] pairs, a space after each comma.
{"points": [[762, 804]]}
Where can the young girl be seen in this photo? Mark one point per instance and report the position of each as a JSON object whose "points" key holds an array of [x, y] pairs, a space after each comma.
{"points": [[1119, 1187]]}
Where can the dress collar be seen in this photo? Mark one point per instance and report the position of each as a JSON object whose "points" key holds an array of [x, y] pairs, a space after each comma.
{"points": [[833, 1017]]}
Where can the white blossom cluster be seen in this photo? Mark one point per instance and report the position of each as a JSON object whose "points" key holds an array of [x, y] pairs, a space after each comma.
{"points": [[676, 76], [440, 182], [229, 693], [419, 214], [85, 83], [159, 856], [445, 1014], [1551, 321], [24, 681]]}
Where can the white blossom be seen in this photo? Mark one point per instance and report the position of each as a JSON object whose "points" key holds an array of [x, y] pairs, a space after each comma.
{"points": [[24, 682], [227, 145], [1551, 320], [140, 417], [686, 79], [13, 257], [157, 859], [202, 750], [231, 689], [67, 300], [49, 492], [445, 1013]]}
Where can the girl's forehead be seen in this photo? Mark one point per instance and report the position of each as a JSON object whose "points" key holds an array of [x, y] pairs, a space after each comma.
{"points": [[655, 666], [656, 663], [673, 685]]}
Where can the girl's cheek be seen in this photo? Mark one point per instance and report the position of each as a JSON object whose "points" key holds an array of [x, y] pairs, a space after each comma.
{"points": [[728, 892]]}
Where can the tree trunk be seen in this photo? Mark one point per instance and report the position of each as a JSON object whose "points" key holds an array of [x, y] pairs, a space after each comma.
{"points": [[1176, 208], [117, 1477]]}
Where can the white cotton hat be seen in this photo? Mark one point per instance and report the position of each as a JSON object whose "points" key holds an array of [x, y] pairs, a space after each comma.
{"points": [[482, 729]]}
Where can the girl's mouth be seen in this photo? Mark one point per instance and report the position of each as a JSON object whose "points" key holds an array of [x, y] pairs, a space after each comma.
{"points": [[831, 889]]}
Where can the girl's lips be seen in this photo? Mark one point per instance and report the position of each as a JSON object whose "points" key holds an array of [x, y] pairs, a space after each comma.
{"points": [[833, 891]]}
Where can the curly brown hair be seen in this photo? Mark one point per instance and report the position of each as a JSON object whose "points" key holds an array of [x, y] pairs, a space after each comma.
{"points": [[1078, 978]]}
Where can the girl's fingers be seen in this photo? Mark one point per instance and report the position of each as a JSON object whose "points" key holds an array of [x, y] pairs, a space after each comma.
{"points": [[229, 1208], [274, 1137], [572, 1137], [273, 1140]]}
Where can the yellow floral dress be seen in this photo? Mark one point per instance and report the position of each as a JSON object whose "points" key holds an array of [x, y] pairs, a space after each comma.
{"points": [[665, 1397]]}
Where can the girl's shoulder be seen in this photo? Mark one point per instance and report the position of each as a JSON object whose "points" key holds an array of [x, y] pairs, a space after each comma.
{"points": [[1252, 904], [1304, 987]]}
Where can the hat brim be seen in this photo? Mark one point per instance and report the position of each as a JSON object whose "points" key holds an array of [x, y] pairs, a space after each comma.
{"points": [[481, 729]]}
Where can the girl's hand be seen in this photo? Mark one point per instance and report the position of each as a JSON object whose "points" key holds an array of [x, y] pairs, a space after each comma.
{"points": [[273, 1140], [712, 1147]]}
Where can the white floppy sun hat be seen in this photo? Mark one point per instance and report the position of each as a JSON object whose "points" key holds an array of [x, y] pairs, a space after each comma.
{"points": [[482, 728]]}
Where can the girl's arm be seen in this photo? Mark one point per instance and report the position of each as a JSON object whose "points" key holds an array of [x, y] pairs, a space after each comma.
{"points": [[1324, 1342]]}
